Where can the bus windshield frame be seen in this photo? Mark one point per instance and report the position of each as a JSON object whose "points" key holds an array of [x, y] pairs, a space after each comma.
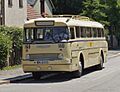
{"points": [[46, 35]]}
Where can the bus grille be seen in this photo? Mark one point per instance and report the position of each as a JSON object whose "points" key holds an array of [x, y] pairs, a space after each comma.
{"points": [[44, 57]]}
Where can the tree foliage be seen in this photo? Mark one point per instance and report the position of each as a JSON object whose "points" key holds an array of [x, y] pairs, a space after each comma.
{"points": [[10, 40], [67, 6], [5, 46], [95, 9], [113, 13]]}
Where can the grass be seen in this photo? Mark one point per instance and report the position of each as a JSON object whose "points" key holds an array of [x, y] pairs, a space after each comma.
{"points": [[11, 67]]}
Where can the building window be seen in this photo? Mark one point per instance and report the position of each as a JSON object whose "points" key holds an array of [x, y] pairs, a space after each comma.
{"points": [[20, 3], [9, 3]]}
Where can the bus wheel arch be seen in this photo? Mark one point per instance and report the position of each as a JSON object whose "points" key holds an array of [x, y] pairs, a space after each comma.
{"points": [[102, 55], [81, 59]]}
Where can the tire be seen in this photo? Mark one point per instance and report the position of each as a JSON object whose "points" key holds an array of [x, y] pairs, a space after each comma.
{"points": [[36, 75], [100, 66], [79, 72]]}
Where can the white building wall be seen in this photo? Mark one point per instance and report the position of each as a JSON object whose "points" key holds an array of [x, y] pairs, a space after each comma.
{"points": [[15, 16]]}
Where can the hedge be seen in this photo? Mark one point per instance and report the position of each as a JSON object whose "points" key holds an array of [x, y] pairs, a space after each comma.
{"points": [[10, 43]]}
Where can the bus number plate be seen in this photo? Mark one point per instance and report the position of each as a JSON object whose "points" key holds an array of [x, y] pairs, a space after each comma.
{"points": [[42, 62]]}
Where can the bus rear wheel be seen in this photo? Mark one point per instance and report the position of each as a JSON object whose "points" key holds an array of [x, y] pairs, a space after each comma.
{"points": [[36, 75], [100, 66]]}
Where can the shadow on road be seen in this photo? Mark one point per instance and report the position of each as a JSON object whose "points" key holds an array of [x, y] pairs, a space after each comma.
{"points": [[61, 77], [91, 70]]}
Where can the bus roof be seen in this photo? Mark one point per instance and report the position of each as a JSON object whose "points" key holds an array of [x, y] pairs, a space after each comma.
{"points": [[69, 22]]}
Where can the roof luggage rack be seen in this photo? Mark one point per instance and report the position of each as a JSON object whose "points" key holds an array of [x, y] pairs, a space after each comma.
{"points": [[70, 16]]}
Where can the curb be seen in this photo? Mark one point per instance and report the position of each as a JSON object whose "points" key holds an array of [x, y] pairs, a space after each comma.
{"points": [[13, 79], [18, 78], [4, 82], [118, 54]]}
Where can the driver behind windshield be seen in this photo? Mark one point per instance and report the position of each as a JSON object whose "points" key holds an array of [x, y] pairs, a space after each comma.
{"points": [[56, 34]]}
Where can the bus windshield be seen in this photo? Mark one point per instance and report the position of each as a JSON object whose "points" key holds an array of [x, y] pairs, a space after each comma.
{"points": [[48, 34]]}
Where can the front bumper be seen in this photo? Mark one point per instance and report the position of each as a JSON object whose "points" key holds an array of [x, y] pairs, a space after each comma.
{"points": [[31, 67]]}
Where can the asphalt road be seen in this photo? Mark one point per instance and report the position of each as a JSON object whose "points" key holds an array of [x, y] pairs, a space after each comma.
{"points": [[106, 80]]}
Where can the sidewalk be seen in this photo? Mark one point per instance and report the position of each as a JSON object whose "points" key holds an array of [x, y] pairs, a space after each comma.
{"points": [[9, 75], [112, 53]]}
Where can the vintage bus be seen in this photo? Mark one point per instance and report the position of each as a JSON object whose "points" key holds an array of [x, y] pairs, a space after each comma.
{"points": [[63, 44]]}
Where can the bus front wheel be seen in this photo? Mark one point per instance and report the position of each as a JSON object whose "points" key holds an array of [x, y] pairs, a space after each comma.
{"points": [[79, 72]]}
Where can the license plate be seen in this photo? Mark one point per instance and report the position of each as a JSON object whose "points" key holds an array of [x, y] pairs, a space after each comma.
{"points": [[42, 62]]}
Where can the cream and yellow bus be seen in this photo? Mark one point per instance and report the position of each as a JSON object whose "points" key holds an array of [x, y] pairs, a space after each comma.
{"points": [[63, 44]]}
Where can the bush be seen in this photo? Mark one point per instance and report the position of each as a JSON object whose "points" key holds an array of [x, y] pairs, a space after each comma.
{"points": [[10, 42], [14, 33], [5, 45]]}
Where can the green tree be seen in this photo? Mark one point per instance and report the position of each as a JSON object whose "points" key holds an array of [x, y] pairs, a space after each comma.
{"points": [[67, 6], [113, 13], [95, 9]]}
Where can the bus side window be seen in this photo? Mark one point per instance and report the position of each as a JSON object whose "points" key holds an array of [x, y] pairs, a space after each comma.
{"points": [[88, 32], [91, 32], [99, 32], [72, 34], [83, 32], [94, 32], [77, 32], [102, 32]]}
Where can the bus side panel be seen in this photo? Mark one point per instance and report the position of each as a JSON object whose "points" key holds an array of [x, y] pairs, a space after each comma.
{"points": [[76, 49]]}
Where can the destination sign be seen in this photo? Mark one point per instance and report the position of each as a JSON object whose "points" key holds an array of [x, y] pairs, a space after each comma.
{"points": [[44, 23]]}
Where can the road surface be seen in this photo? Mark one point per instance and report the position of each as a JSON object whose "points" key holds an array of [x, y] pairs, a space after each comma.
{"points": [[106, 80]]}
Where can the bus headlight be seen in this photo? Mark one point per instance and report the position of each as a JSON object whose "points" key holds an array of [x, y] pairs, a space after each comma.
{"points": [[27, 56], [60, 56]]}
